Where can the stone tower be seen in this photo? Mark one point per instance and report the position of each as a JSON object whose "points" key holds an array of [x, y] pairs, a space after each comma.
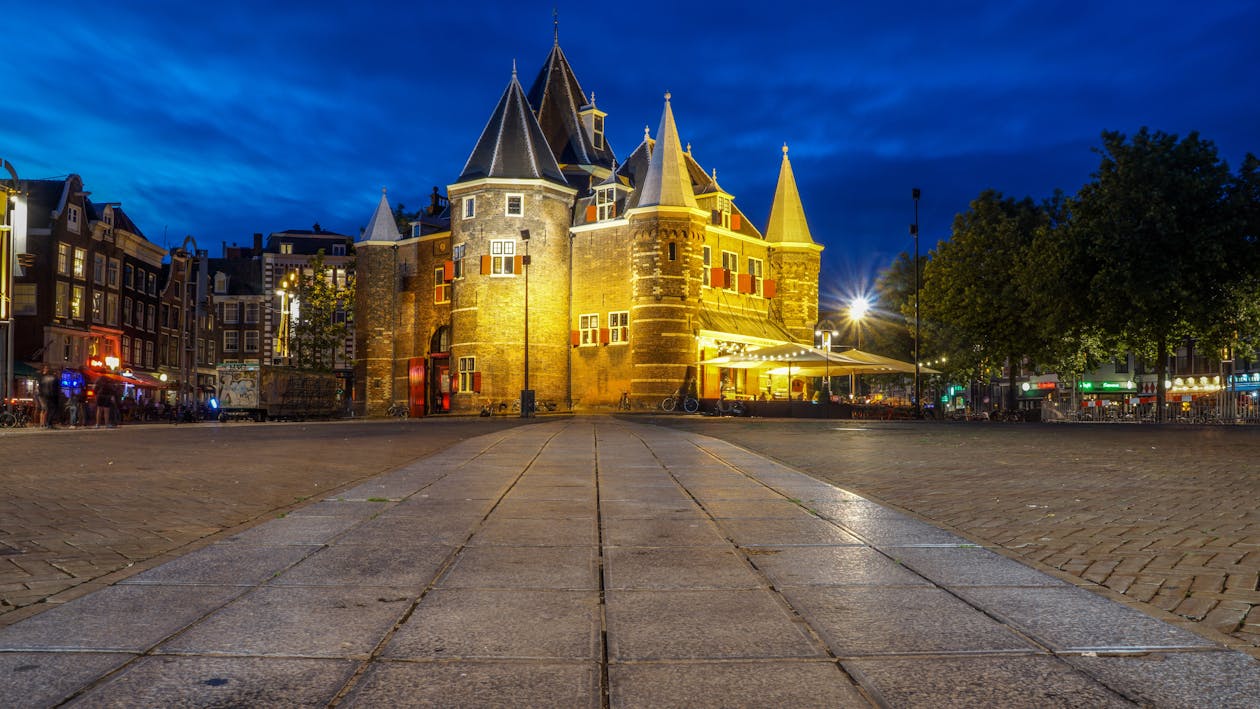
{"points": [[375, 307], [667, 229], [794, 257], [510, 214]]}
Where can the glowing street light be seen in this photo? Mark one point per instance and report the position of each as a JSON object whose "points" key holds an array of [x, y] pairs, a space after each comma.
{"points": [[858, 308]]}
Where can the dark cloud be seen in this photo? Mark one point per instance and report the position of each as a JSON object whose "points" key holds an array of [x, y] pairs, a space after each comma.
{"points": [[226, 119]]}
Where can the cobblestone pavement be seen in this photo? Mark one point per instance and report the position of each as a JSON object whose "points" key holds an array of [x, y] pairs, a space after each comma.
{"points": [[1168, 516], [82, 508]]}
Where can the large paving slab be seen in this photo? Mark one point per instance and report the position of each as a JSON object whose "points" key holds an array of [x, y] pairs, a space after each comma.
{"points": [[593, 562]]}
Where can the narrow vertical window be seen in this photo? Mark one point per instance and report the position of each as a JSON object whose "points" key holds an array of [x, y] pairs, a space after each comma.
{"points": [[673, 251], [515, 205], [470, 207]]}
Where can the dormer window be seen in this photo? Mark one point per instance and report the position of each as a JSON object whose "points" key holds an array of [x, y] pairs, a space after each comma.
{"points": [[605, 203], [722, 212], [72, 219], [286, 247], [109, 216], [415, 229], [597, 131], [515, 205], [220, 282], [338, 249]]}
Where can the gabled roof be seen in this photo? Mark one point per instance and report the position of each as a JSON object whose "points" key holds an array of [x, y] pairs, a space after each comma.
{"points": [[668, 180], [787, 214], [382, 226], [557, 100], [512, 145]]}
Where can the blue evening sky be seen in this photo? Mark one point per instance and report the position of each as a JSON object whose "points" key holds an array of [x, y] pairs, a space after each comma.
{"points": [[224, 119]]}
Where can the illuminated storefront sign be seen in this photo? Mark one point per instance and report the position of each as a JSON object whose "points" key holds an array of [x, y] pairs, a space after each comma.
{"points": [[1104, 387]]}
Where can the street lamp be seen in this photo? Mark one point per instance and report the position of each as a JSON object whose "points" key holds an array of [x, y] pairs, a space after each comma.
{"points": [[858, 307], [914, 231], [12, 242], [824, 334], [527, 394]]}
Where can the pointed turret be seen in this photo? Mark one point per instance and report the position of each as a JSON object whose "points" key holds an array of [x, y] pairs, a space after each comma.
{"points": [[787, 214], [573, 126], [512, 145], [382, 226], [667, 183]]}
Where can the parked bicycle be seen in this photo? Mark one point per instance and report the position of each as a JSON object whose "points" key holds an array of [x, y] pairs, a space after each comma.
{"points": [[398, 410], [15, 416], [624, 404], [681, 402], [731, 407]]}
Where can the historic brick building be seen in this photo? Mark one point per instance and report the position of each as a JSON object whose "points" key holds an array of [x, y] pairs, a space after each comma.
{"points": [[556, 268]]}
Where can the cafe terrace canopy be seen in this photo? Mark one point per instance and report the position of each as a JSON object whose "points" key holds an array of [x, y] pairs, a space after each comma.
{"points": [[789, 357]]}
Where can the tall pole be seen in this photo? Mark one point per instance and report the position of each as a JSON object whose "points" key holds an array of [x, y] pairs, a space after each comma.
{"points": [[527, 398], [12, 239], [914, 230]]}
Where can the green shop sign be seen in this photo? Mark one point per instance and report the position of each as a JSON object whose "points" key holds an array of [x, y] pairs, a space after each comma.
{"points": [[1103, 387]]}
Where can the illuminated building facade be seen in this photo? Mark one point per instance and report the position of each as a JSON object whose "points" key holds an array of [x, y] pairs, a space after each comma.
{"points": [[557, 268]]}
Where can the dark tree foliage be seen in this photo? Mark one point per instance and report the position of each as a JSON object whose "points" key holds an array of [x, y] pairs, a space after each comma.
{"points": [[974, 298], [1157, 239]]}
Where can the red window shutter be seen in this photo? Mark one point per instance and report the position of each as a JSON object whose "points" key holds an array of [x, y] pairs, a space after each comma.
{"points": [[448, 270], [476, 382], [518, 263], [485, 264], [590, 212], [769, 288], [717, 277], [736, 222], [603, 336], [575, 338], [745, 283]]}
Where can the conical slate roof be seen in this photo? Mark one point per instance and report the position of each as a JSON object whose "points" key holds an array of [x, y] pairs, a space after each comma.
{"points": [[557, 99], [512, 145], [668, 182], [787, 214], [382, 226]]}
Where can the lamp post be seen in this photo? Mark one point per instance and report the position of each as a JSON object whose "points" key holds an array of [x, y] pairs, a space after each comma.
{"points": [[527, 394], [914, 231], [825, 333], [858, 308], [284, 339]]}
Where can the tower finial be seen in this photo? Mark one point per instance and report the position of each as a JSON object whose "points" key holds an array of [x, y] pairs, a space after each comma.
{"points": [[647, 133], [513, 67], [785, 150], [667, 95], [555, 20]]}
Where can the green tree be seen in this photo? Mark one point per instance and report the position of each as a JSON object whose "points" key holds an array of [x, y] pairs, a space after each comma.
{"points": [[975, 301], [323, 321], [1157, 225]]}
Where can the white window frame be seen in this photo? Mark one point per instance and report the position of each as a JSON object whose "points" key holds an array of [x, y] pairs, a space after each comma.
{"points": [[338, 249], [251, 313], [148, 353], [98, 306], [457, 255], [724, 212], [467, 368], [730, 262], [78, 298], [619, 327], [231, 313], [756, 269], [251, 340], [127, 310], [605, 203], [80, 264], [63, 258], [588, 326], [129, 276], [597, 131], [502, 257], [98, 269], [111, 309], [470, 207], [152, 283], [152, 319], [231, 341], [111, 273], [441, 288], [519, 199], [72, 219]]}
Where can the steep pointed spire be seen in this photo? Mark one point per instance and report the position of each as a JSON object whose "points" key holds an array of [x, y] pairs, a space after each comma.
{"points": [[512, 144], [558, 101], [667, 183], [787, 214], [382, 226]]}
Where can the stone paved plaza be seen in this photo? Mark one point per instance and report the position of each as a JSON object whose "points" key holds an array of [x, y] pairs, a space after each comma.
{"points": [[611, 562], [1168, 516]]}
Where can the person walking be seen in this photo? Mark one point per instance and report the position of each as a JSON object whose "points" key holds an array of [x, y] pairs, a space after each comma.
{"points": [[106, 401], [49, 397]]}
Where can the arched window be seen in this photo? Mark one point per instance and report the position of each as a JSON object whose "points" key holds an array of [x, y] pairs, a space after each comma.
{"points": [[441, 341]]}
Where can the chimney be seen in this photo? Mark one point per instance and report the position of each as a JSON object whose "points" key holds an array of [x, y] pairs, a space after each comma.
{"points": [[257, 243]]}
